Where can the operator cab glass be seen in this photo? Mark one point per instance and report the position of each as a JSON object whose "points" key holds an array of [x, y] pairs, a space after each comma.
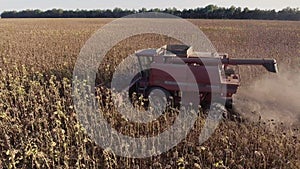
{"points": [[145, 62]]}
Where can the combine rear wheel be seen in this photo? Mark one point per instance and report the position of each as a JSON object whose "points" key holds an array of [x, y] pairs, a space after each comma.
{"points": [[228, 103], [216, 111]]}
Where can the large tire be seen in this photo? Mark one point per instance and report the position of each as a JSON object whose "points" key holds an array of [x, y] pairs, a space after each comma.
{"points": [[159, 99]]}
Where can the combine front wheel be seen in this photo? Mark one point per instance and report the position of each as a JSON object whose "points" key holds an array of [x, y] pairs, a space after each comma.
{"points": [[159, 99]]}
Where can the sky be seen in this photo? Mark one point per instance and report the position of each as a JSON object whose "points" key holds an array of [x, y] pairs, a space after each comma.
{"points": [[138, 4]]}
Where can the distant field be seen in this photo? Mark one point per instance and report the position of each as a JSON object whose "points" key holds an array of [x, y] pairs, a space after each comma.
{"points": [[55, 43], [38, 125]]}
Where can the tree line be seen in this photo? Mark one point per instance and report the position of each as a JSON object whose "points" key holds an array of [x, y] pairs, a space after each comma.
{"points": [[208, 12]]}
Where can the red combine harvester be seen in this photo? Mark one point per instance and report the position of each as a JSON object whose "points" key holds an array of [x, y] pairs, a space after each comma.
{"points": [[176, 59]]}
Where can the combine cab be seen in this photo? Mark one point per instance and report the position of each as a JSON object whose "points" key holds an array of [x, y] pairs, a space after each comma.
{"points": [[223, 76]]}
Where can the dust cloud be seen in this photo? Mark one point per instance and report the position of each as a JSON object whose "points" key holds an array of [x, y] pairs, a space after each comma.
{"points": [[273, 98]]}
